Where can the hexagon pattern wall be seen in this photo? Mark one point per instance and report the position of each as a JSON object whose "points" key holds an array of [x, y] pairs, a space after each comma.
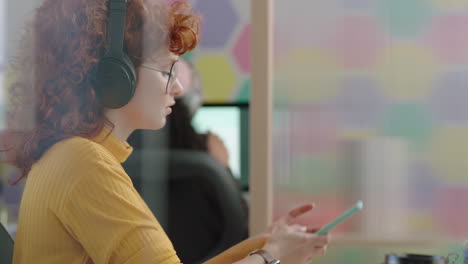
{"points": [[356, 69], [223, 55], [359, 69]]}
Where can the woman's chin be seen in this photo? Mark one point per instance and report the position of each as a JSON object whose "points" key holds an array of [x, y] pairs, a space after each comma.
{"points": [[158, 124], [152, 122]]}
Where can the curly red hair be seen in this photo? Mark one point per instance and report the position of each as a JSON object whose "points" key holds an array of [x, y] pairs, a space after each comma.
{"points": [[55, 71]]}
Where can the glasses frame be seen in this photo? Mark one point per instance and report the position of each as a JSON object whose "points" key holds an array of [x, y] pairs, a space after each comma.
{"points": [[170, 73]]}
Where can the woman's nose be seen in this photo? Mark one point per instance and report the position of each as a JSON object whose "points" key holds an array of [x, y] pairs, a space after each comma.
{"points": [[177, 88]]}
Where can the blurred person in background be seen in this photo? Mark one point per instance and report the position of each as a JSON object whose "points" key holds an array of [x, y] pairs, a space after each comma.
{"points": [[182, 134]]}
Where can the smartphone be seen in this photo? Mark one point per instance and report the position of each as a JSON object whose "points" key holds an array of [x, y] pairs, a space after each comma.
{"points": [[351, 211]]}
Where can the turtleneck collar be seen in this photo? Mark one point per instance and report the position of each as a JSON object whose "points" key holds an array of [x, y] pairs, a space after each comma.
{"points": [[120, 149]]}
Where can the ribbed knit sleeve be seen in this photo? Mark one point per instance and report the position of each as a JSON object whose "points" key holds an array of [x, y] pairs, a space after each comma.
{"points": [[105, 213]]}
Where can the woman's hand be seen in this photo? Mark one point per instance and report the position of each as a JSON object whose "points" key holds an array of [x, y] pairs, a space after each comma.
{"points": [[217, 149], [291, 216], [293, 244], [286, 241]]}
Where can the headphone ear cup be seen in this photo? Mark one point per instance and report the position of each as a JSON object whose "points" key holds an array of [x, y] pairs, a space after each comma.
{"points": [[116, 81]]}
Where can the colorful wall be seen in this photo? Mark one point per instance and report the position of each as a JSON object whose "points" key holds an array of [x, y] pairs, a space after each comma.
{"points": [[361, 70], [357, 69], [223, 56]]}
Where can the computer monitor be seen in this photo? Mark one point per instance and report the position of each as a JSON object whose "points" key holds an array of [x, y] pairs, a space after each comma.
{"points": [[231, 123]]}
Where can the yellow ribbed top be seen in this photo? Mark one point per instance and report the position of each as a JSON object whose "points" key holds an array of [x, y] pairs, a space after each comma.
{"points": [[79, 206]]}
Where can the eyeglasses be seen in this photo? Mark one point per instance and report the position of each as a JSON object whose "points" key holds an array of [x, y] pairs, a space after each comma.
{"points": [[171, 75]]}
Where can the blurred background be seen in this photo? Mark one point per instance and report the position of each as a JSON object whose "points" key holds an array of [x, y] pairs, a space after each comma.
{"points": [[369, 104]]}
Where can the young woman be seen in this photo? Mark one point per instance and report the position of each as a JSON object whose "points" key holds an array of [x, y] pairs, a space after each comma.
{"points": [[192, 243], [79, 205]]}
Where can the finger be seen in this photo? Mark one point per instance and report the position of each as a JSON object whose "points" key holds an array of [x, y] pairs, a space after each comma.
{"points": [[313, 229], [299, 228], [321, 251], [321, 246], [314, 252], [318, 251], [317, 241], [288, 219], [298, 211]]}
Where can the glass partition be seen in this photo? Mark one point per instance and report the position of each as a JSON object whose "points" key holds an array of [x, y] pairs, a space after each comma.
{"points": [[13, 17], [370, 104]]}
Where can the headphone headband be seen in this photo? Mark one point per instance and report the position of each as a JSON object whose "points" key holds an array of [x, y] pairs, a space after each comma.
{"points": [[116, 27]]}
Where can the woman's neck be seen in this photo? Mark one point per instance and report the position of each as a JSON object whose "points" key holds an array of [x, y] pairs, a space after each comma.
{"points": [[122, 129]]}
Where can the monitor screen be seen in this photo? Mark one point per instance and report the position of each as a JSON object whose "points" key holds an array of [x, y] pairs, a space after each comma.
{"points": [[230, 123]]}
